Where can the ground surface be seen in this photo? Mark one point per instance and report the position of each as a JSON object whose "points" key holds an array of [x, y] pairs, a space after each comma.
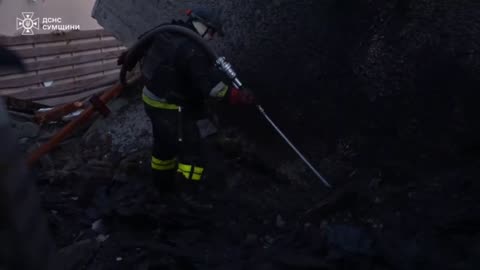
{"points": [[261, 213]]}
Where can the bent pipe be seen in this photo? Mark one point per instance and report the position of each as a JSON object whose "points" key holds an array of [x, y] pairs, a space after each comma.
{"points": [[67, 130], [220, 62]]}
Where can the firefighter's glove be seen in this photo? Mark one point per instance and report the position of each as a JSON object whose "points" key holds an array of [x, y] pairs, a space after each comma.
{"points": [[121, 59], [241, 97], [125, 60]]}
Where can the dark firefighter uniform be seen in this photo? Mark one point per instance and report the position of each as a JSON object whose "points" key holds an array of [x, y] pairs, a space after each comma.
{"points": [[178, 78]]}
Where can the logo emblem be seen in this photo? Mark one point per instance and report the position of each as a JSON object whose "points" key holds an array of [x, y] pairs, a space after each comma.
{"points": [[28, 23]]}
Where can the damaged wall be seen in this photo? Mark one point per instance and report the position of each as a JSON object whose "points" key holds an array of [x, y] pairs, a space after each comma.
{"points": [[372, 83]]}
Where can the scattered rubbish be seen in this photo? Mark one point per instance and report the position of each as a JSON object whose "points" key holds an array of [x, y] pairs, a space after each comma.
{"points": [[98, 104], [349, 239], [48, 83], [251, 239], [26, 129], [268, 241], [375, 183], [405, 252], [72, 115], [77, 254], [206, 128], [342, 196], [45, 109], [280, 222], [53, 115], [102, 238], [98, 226], [300, 261]]}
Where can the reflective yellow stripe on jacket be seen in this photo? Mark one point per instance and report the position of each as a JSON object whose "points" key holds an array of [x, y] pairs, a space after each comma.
{"points": [[158, 104], [219, 90]]}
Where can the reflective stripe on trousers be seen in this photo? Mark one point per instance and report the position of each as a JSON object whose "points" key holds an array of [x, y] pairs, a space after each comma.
{"points": [[190, 172], [163, 165]]}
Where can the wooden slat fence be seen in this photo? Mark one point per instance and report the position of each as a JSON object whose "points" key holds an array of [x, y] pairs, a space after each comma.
{"points": [[62, 67]]}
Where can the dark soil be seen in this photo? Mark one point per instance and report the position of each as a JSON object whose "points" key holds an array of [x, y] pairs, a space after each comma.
{"points": [[253, 215]]}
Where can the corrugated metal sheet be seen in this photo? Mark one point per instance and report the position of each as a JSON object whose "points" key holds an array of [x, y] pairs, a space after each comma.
{"points": [[62, 67]]}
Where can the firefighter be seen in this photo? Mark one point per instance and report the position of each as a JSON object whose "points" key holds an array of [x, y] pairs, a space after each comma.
{"points": [[179, 78]]}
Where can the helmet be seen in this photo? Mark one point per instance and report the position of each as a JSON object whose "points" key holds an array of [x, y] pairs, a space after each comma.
{"points": [[211, 18]]}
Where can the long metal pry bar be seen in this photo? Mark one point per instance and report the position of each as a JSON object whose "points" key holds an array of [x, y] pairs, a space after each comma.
{"points": [[260, 108]]}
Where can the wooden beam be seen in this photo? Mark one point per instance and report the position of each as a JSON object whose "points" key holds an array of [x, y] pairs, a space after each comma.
{"points": [[67, 88], [52, 37], [66, 61], [58, 75], [68, 48]]}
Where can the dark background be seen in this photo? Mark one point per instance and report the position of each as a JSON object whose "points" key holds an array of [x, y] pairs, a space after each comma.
{"points": [[396, 79]]}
